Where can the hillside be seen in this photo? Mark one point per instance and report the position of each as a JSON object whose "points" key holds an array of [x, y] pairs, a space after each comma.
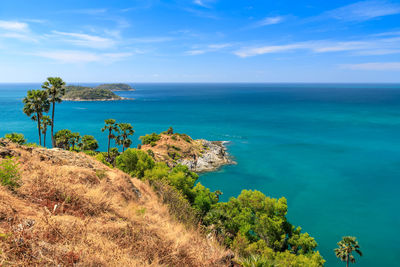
{"points": [[71, 210], [199, 155], [81, 93], [115, 87]]}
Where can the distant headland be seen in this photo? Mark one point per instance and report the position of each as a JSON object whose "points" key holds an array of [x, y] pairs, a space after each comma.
{"points": [[103, 92]]}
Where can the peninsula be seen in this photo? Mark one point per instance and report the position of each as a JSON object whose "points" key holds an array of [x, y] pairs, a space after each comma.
{"points": [[83, 93], [115, 87]]}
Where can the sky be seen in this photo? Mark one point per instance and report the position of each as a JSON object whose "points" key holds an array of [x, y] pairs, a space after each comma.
{"points": [[200, 41]]}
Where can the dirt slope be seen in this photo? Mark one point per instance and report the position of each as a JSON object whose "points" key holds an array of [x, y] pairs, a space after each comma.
{"points": [[71, 210]]}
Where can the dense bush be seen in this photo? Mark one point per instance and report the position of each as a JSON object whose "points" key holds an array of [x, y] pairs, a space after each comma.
{"points": [[16, 138], [256, 224], [88, 142], [135, 162], [150, 138], [9, 173]]}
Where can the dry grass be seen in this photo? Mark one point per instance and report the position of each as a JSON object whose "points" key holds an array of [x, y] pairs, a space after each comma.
{"points": [[91, 215]]}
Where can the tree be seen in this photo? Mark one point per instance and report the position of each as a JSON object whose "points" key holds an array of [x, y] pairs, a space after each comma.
{"points": [[74, 140], [55, 88], [347, 245], [36, 103], [126, 130], [110, 126], [88, 142], [135, 162], [46, 121], [63, 138], [16, 138]]}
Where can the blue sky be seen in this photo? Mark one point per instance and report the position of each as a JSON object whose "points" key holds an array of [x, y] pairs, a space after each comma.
{"points": [[200, 41]]}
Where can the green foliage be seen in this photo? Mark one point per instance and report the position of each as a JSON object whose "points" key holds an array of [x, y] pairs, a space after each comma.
{"points": [[170, 131], [9, 173], [35, 104], [134, 162], [150, 152], [88, 93], [55, 88], [347, 246], [100, 157], [203, 198], [185, 137], [182, 179], [174, 155], [176, 148], [90, 152], [150, 138], [88, 142], [125, 130], [17, 138], [174, 137], [255, 224], [115, 87], [63, 139], [112, 129]]}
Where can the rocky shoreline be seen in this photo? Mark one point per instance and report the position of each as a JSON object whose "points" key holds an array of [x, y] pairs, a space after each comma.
{"points": [[92, 100], [215, 156]]}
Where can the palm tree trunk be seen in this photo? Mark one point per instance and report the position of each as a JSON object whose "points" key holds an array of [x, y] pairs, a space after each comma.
{"points": [[347, 263], [38, 125], [44, 139], [52, 124], [108, 149]]}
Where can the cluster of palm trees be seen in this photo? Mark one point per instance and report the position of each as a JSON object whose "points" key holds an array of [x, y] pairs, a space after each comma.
{"points": [[37, 102], [120, 132]]}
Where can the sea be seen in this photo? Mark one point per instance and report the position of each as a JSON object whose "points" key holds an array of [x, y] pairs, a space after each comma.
{"points": [[332, 150]]}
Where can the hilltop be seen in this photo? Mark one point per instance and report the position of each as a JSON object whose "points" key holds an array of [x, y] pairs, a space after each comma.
{"points": [[198, 155], [115, 87], [82, 93], [71, 210]]}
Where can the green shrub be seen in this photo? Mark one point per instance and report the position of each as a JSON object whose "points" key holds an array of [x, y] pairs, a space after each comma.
{"points": [[174, 155], [134, 162], [186, 137], [101, 174], [88, 142], [16, 138], [174, 137], [150, 152], [176, 148], [150, 138], [9, 173], [90, 152], [103, 159], [153, 144]]}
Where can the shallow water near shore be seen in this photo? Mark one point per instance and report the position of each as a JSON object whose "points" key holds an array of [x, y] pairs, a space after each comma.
{"points": [[332, 150]]}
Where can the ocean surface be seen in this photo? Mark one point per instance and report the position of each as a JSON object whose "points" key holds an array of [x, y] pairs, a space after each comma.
{"points": [[333, 150]]}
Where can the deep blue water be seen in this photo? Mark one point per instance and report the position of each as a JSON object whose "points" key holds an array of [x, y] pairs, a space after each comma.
{"points": [[332, 150]]}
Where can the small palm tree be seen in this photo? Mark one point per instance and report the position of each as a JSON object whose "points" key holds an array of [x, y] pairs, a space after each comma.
{"points": [[126, 130], [46, 121], [55, 88], [75, 138], [347, 245], [36, 103], [110, 126]]}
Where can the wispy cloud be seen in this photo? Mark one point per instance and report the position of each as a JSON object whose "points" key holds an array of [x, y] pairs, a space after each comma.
{"points": [[207, 49], [269, 21], [86, 40], [363, 10], [89, 11], [151, 39], [365, 47], [203, 3], [374, 66], [13, 26], [74, 56]]}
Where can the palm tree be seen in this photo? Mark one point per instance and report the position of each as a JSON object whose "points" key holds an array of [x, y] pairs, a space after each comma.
{"points": [[126, 131], [347, 245], [75, 138], [55, 88], [46, 121], [110, 126], [36, 103]]}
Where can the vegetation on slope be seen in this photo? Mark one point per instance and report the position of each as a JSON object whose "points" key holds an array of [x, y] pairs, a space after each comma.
{"points": [[70, 210], [87, 93], [115, 87]]}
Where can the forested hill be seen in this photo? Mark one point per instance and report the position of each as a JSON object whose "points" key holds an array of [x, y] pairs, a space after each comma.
{"points": [[82, 93], [115, 87]]}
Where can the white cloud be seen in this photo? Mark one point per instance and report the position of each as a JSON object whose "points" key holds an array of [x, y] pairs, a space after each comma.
{"points": [[375, 46], [19, 36], [207, 49], [364, 10], [203, 3], [81, 39], [13, 26], [270, 21], [74, 56], [154, 39], [375, 66]]}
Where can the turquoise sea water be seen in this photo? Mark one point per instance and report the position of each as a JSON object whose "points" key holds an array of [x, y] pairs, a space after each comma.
{"points": [[332, 150]]}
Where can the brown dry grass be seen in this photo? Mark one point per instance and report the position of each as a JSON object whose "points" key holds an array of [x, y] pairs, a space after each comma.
{"points": [[91, 215]]}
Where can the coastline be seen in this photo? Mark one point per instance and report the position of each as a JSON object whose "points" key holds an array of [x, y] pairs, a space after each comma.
{"points": [[96, 100]]}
